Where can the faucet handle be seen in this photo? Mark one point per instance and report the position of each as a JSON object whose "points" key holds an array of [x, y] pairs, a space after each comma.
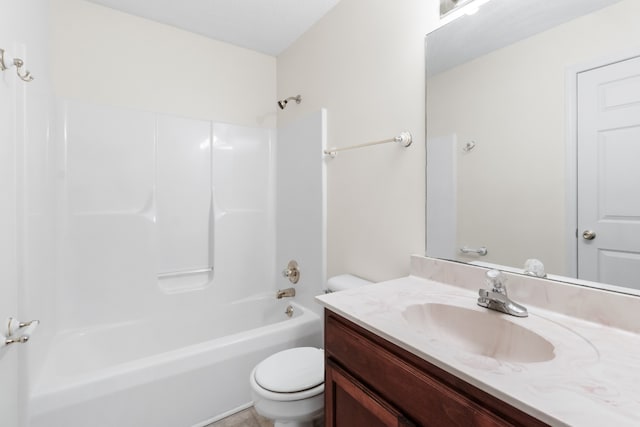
{"points": [[292, 272], [495, 280]]}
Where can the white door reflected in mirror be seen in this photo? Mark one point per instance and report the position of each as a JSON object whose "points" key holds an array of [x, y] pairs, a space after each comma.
{"points": [[608, 173]]}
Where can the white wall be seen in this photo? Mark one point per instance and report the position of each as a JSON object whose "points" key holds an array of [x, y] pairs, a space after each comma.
{"points": [[364, 62], [301, 205], [107, 57]]}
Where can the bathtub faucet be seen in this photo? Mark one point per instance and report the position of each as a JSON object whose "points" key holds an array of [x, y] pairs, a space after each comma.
{"points": [[289, 292]]}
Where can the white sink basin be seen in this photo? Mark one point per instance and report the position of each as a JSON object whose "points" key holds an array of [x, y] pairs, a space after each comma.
{"points": [[479, 332]]}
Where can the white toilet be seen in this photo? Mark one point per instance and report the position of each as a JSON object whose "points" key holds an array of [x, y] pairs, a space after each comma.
{"points": [[288, 387]]}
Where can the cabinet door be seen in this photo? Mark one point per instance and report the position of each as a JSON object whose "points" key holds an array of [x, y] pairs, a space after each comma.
{"points": [[348, 403]]}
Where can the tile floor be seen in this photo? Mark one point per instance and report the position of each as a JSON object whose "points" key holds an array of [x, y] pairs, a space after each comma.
{"points": [[247, 418], [250, 418]]}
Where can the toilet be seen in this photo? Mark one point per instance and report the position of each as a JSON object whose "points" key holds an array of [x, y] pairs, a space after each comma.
{"points": [[288, 387]]}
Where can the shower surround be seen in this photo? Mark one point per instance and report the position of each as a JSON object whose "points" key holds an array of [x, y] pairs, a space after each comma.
{"points": [[166, 253]]}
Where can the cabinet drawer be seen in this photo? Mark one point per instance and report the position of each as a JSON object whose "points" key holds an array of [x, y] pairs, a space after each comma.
{"points": [[425, 393]]}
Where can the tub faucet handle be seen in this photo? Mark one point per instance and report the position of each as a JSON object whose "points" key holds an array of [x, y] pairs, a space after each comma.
{"points": [[291, 272]]}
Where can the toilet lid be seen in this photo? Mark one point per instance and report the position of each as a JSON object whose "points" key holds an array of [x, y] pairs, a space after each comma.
{"points": [[292, 370]]}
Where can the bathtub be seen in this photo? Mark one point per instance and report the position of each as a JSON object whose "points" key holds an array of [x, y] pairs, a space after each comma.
{"points": [[174, 373]]}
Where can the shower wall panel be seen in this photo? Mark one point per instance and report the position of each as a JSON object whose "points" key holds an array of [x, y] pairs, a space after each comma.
{"points": [[106, 236], [142, 194], [183, 203], [244, 188], [301, 205]]}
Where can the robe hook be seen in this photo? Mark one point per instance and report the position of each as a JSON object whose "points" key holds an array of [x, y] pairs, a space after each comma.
{"points": [[25, 75]]}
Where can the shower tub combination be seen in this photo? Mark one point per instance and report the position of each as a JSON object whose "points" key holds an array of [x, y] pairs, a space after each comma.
{"points": [[181, 372]]}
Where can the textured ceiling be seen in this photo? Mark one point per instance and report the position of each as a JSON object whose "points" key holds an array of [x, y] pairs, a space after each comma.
{"points": [[267, 26]]}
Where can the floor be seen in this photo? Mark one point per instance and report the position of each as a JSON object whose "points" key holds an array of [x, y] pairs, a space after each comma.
{"points": [[247, 418], [250, 418]]}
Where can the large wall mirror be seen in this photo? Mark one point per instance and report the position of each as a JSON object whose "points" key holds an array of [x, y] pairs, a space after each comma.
{"points": [[533, 138]]}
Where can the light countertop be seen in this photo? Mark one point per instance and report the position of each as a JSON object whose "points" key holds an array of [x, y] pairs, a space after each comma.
{"points": [[593, 379]]}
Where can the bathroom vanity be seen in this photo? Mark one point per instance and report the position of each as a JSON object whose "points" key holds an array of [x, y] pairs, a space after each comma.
{"points": [[372, 382], [420, 351]]}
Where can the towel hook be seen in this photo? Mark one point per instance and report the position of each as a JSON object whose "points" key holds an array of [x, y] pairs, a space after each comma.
{"points": [[470, 145], [25, 75]]}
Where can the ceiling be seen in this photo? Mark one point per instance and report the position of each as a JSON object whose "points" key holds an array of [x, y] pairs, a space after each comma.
{"points": [[499, 23], [267, 26]]}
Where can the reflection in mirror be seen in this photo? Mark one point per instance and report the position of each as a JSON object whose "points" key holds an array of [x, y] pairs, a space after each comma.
{"points": [[447, 6], [508, 113]]}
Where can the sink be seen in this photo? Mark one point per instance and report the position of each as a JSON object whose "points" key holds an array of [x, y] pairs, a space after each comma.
{"points": [[478, 332]]}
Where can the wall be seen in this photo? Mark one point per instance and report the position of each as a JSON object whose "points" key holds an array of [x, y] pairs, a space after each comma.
{"points": [[301, 205], [107, 57], [364, 62]]}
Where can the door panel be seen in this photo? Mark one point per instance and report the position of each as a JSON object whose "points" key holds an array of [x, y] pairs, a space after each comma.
{"points": [[608, 174]]}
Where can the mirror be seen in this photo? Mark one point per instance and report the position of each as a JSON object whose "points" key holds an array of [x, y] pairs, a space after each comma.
{"points": [[502, 113]]}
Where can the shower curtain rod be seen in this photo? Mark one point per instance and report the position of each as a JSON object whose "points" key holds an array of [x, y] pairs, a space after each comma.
{"points": [[404, 138]]}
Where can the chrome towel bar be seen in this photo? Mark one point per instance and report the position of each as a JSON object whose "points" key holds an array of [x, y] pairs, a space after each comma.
{"points": [[482, 251], [404, 138]]}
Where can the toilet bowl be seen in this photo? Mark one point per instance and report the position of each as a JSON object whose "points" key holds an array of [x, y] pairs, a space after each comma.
{"points": [[288, 387]]}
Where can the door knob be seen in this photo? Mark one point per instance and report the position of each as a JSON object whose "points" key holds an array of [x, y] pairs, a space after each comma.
{"points": [[588, 234]]}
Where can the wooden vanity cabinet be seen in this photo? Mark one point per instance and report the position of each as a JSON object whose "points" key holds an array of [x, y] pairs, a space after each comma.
{"points": [[371, 382]]}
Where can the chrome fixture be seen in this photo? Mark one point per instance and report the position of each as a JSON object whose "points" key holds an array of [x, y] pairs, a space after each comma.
{"points": [[292, 272], [497, 299], [588, 234], [283, 103], [405, 139], [15, 62], [289, 311], [482, 250], [14, 327], [285, 293], [470, 145]]}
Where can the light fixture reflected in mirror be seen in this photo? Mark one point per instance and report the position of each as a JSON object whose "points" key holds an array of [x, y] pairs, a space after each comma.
{"points": [[447, 6], [453, 9]]}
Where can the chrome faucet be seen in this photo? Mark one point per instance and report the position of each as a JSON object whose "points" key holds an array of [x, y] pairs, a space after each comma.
{"points": [[497, 299], [289, 292]]}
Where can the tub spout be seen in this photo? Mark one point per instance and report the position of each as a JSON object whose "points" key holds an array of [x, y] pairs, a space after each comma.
{"points": [[289, 292]]}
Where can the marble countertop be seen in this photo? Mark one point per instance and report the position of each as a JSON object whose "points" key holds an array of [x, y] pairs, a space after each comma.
{"points": [[593, 380]]}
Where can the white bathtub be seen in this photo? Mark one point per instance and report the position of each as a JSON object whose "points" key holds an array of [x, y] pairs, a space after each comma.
{"points": [[175, 373]]}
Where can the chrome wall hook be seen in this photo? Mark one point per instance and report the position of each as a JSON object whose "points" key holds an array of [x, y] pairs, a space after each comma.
{"points": [[3, 66], [24, 76], [5, 63], [470, 145], [17, 332]]}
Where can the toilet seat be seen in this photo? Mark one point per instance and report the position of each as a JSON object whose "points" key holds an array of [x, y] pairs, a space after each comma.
{"points": [[292, 370], [292, 374]]}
